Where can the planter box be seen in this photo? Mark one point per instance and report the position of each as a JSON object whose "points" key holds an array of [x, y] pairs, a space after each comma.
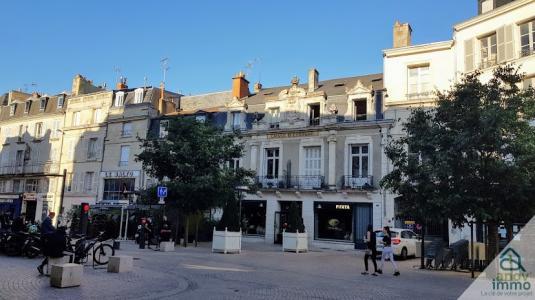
{"points": [[295, 242], [226, 241]]}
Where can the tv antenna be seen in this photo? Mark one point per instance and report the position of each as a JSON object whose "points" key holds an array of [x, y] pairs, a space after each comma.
{"points": [[250, 65], [32, 85], [165, 66], [117, 70]]}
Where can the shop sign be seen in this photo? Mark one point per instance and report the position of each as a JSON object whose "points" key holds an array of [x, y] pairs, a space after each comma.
{"points": [[29, 197], [119, 174], [343, 206], [292, 134], [6, 200], [410, 222]]}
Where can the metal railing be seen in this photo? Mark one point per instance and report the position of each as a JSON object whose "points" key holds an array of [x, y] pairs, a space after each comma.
{"points": [[46, 168], [488, 62], [357, 182], [527, 52], [301, 182], [314, 121], [419, 95]]}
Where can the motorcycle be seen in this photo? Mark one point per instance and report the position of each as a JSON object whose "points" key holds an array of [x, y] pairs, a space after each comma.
{"points": [[23, 244]]}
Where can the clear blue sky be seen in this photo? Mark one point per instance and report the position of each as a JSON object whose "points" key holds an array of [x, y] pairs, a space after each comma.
{"points": [[48, 42]]}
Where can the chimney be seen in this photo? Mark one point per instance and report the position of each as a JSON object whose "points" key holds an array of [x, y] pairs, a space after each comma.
{"points": [[121, 85], [160, 100], [240, 86], [402, 35], [313, 78], [257, 87]]}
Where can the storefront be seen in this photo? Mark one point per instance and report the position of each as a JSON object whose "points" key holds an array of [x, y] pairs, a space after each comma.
{"points": [[10, 205], [118, 186], [253, 218]]}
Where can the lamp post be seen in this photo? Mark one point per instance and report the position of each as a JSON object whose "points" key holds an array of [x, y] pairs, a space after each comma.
{"points": [[241, 189]]}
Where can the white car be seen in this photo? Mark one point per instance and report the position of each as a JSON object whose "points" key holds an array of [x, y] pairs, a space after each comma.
{"points": [[403, 242]]}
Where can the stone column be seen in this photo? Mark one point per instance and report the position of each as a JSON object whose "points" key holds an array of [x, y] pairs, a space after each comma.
{"points": [[308, 217], [271, 207], [254, 158], [331, 180]]}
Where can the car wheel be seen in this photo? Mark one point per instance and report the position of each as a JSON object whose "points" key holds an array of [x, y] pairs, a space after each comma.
{"points": [[403, 255]]}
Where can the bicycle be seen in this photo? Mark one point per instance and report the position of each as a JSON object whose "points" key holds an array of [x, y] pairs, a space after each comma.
{"points": [[82, 247]]}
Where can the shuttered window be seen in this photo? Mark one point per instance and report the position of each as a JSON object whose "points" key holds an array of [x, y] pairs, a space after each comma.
{"points": [[312, 161], [527, 38], [504, 37], [469, 55]]}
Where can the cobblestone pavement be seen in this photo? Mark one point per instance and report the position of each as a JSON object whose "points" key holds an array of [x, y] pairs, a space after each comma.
{"points": [[260, 272]]}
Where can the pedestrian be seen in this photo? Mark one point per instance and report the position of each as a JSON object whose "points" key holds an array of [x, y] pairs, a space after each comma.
{"points": [[388, 251], [47, 230], [371, 250]]}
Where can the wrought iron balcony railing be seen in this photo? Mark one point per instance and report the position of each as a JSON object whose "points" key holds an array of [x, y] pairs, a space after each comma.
{"points": [[357, 182], [45, 168], [302, 182]]}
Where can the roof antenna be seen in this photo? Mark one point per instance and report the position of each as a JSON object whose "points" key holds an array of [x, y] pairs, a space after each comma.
{"points": [[164, 63], [117, 70], [145, 82]]}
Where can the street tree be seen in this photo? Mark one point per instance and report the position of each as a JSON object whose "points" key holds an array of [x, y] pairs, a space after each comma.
{"points": [[191, 161], [472, 157]]}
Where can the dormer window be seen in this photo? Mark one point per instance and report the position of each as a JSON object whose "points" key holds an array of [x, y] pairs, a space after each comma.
{"points": [[27, 106], [61, 100], [236, 120], [42, 104], [138, 96], [12, 108], [314, 112], [119, 99]]}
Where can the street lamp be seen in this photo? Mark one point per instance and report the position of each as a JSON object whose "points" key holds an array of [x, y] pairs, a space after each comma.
{"points": [[241, 189]]}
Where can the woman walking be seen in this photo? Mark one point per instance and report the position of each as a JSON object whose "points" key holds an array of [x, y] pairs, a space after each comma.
{"points": [[388, 251], [371, 251]]}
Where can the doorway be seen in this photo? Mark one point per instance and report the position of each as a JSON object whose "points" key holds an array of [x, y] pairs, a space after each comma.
{"points": [[362, 212], [31, 207], [281, 219]]}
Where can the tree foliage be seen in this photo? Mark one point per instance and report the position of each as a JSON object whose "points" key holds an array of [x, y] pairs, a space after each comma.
{"points": [[191, 162], [472, 157]]}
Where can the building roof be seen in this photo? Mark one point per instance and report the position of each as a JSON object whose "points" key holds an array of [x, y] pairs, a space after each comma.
{"points": [[201, 102]]}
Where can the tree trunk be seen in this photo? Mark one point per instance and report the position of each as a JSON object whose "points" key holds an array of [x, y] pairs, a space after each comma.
{"points": [[177, 228], [186, 229], [493, 241], [509, 228], [422, 248], [196, 231]]}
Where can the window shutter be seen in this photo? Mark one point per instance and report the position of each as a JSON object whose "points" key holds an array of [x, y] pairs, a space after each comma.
{"points": [[98, 149], [500, 40], [469, 55], [509, 45]]}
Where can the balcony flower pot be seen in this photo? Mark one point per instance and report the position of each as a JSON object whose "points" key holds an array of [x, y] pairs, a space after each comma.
{"points": [[226, 241], [295, 241]]}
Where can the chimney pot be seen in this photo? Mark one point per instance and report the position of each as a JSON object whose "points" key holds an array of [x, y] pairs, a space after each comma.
{"points": [[313, 79], [402, 35], [257, 87], [240, 86], [121, 85]]}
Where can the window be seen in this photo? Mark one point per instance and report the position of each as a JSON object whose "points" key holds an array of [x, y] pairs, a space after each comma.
{"points": [[27, 106], [88, 182], [125, 153], [312, 161], [32, 186], [418, 81], [61, 101], [272, 163], [114, 188], [97, 115], [42, 104], [489, 51], [314, 111], [527, 38], [76, 118], [68, 182], [236, 120], [234, 164], [333, 221], [486, 6], [360, 110], [92, 148], [38, 130], [19, 159], [3, 186], [138, 95], [127, 129], [274, 117], [55, 128], [359, 161], [12, 108], [200, 118], [164, 125], [17, 186], [119, 99]]}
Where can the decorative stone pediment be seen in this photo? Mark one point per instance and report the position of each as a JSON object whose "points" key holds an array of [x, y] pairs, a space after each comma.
{"points": [[293, 93], [236, 103], [359, 88]]}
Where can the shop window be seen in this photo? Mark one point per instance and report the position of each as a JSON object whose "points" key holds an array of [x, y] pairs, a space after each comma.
{"points": [[254, 217], [118, 189], [333, 221]]}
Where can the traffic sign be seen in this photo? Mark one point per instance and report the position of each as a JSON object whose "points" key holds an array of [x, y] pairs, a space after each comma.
{"points": [[162, 191]]}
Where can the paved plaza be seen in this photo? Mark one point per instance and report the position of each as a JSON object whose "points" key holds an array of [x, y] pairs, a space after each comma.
{"points": [[259, 272]]}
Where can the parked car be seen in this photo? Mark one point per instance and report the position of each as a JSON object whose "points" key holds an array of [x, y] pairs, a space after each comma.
{"points": [[403, 242]]}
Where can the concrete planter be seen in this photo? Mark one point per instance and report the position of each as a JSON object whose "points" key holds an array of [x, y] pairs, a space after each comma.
{"points": [[226, 241], [295, 242]]}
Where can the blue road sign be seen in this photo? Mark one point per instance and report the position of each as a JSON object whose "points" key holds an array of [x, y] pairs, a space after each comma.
{"points": [[162, 191]]}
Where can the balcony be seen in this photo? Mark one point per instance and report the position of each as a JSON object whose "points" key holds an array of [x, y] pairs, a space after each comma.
{"points": [[488, 62], [357, 182], [527, 52], [302, 182], [314, 121], [419, 95], [45, 168]]}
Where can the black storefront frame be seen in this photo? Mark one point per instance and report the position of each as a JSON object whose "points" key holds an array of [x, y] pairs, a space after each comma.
{"points": [[327, 206]]}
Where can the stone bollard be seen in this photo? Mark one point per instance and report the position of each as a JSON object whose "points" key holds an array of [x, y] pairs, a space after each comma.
{"points": [[55, 261], [167, 246], [66, 275], [120, 264]]}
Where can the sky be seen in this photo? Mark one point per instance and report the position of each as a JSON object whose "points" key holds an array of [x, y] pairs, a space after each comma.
{"points": [[43, 44]]}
